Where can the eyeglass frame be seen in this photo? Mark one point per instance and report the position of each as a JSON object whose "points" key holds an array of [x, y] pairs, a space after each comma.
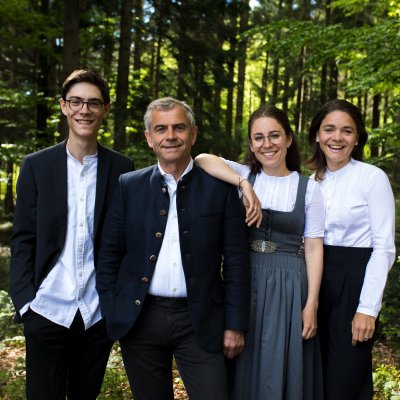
{"points": [[264, 137], [88, 104]]}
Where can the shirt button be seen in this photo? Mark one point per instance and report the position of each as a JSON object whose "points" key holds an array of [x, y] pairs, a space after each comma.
{"points": [[153, 258], [145, 279], [163, 212], [138, 302], [164, 190], [158, 235]]}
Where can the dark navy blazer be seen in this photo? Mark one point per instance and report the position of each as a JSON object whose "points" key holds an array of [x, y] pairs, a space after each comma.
{"points": [[40, 216], [213, 244]]}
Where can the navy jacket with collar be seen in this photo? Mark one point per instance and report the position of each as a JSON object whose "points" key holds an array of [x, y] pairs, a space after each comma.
{"points": [[40, 216], [213, 244]]}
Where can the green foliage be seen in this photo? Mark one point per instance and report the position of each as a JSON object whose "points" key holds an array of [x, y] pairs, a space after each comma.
{"points": [[12, 371], [115, 384], [386, 383], [7, 327], [12, 380]]}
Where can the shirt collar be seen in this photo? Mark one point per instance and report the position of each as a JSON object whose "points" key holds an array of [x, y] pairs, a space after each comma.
{"points": [[87, 158], [188, 169]]}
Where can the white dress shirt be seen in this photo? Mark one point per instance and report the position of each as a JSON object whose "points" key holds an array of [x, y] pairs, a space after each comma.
{"points": [[279, 193], [169, 278], [70, 285], [360, 213]]}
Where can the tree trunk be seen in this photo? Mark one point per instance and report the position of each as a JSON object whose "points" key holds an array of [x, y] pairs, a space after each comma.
{"points": [[286, 94], [333, 81], [299, 98], [107, 39], [231, 57], [218, 68], [231, 86], [70, 48], [242, 48], [375, 122], [157, 68], [264, 81], [123, 76], [138, 28], [324, 69], [42, 75]]}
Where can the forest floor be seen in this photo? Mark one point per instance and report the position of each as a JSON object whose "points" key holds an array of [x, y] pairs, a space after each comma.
{"points": [[11, 356]]}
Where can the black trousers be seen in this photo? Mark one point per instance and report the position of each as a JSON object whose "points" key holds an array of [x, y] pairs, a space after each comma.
{"points": [[347, 370], [164, 331], [64, 362]]}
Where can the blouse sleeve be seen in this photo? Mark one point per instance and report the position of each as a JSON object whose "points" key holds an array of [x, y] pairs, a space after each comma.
{"points": [[315, 211], [241, 169], [381, 210]]}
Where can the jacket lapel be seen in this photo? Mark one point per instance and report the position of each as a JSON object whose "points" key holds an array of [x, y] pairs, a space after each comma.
{"points": [[61, 182], [103, 171]]}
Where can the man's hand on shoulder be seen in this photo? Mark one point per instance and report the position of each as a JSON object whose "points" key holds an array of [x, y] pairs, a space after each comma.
{"points": [[233, 343]]}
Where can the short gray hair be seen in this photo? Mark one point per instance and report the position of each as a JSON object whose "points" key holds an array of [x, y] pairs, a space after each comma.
{"points": [[167, 103]]}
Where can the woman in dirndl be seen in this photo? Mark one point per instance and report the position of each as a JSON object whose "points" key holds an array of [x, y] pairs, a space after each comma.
{"points": [[281, 359]]}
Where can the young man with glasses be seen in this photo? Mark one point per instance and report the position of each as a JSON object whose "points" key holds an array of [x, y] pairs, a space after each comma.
{"points": [[63, 193]]}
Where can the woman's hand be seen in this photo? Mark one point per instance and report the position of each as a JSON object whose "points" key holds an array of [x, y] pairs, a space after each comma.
{"points": [[309, 316], [251, 204], [362, 328]]}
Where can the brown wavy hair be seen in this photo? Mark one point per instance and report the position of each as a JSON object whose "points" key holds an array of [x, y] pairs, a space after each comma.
{"points": [[317, 160], [292, 158]]}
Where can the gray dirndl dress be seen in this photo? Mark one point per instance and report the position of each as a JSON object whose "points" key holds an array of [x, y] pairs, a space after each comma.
{"points": [[276, 363]]}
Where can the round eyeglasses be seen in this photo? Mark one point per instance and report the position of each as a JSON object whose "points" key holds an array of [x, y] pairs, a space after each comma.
{"points": [[92, 105], [273, 137]]}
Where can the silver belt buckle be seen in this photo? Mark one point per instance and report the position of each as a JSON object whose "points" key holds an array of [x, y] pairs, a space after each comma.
{"points": [[263, 246]]}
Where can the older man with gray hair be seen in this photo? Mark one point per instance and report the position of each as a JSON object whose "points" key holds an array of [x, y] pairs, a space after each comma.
{"points": [[173, 269]]}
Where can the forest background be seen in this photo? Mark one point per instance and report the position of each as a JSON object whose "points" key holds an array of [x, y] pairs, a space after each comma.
{"points": [[223, 57]]}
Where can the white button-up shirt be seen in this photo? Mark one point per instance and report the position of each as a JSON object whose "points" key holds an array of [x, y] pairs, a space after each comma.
{"points": [[360, 213], [70, 285], [169, 278]]}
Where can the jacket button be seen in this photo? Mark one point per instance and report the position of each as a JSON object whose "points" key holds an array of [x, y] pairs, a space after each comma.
{"points": [[153, 258], [158, 235], [164, 190], [145, 280], [138, 302], [163, 212]]}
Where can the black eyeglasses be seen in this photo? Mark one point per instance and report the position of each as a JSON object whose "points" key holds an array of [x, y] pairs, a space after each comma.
{"points": [[92, 105]]}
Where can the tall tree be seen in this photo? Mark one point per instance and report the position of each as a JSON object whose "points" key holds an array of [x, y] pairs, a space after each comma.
{"points": [[138, 28], [242, 59], [70, 48], [123, 75]]}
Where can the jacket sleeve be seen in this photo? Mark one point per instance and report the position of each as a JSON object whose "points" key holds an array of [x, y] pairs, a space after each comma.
{"points": [[23, 239], [236, 267]]}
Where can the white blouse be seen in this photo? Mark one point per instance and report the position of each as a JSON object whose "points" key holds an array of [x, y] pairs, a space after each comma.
{"points": [[279, 193], [360, 213]]}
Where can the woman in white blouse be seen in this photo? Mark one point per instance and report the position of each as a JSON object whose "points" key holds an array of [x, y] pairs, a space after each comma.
{"points": [[359, 248], [281, 354]]}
